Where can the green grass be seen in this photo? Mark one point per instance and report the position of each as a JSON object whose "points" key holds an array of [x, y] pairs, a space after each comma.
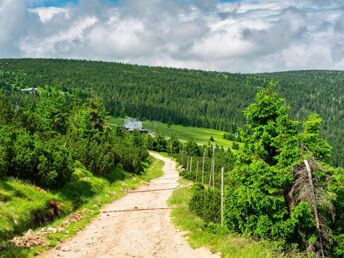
{"points": [[217, 239], [164, 154], [19, 200], [199, 135]]}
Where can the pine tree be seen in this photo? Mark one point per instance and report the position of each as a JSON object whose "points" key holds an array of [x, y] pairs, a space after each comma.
{"points": [[279, 188], [256, 197]]}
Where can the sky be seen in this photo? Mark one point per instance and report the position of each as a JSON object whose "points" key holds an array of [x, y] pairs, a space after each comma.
{"points": [[237, 36]]}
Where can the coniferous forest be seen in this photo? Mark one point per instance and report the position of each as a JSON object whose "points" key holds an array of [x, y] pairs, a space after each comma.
{"points": [[187, 97]]}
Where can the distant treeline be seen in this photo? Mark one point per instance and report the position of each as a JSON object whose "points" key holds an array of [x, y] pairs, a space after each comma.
{"points": [[188, 97]]}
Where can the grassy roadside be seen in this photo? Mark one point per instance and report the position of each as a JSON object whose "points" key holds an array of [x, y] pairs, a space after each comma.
{"points": [[215, 237], [105, 191]]}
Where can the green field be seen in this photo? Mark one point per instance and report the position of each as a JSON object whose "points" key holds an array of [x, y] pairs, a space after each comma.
{"points": [[184, 133]]}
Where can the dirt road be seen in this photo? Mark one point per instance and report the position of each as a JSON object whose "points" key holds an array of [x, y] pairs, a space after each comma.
{"points": [[140, 233]]}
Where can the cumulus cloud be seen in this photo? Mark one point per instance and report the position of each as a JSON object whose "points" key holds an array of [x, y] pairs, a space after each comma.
{"points": [[15, 22], [244, 36]]}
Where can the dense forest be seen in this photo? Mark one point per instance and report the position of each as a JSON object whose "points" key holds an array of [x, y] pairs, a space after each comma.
{"points": [[188, 97]]}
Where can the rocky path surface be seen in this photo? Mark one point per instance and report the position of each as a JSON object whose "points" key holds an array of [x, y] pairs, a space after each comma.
{"points": [[143, 230]]}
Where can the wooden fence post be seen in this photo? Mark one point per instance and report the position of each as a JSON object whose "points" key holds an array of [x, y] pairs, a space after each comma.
{"points": [[210, 174], [203, 167], [213, 166], [182, 159], [222, 193], [196, 170], [187, 164], [191, 166]]}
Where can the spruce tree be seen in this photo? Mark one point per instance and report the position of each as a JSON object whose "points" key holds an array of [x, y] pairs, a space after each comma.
{"points": [[279, 186]]}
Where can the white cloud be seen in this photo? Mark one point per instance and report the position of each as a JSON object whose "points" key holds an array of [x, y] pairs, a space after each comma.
{"points": [[60, 42], [246, 36], [47, 13]]}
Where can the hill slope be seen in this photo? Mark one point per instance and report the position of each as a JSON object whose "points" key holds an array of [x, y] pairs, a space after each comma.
{"points": [[189, 97], [184, 133]]}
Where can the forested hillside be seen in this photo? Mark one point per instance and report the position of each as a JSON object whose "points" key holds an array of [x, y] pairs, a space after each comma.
{"points": [[188, 97]]}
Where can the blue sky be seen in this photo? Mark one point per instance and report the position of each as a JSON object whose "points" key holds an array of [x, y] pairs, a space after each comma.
{"points": [[236, 36], [61, 3], [49, 3]]}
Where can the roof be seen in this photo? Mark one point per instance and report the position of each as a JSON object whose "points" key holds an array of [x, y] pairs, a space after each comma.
{"points": [[132, 124], [29, 90]]}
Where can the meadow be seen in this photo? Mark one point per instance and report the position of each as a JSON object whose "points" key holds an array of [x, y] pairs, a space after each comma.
{"points": [[183, 133]]}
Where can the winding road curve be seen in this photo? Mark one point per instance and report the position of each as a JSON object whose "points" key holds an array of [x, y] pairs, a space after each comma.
{"points": [[139, 233]]}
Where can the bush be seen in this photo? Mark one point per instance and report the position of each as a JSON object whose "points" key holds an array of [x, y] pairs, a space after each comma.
{"points": [[5, 149], [206, 202], [337, 187], [80, 172], [44, 162]]}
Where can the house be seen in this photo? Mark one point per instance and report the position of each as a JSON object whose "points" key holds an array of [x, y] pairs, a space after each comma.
{"points": [[132, 124], [29, 90]]}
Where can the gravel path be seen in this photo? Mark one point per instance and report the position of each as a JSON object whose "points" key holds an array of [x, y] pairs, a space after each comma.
{"points": [[138, 233]]}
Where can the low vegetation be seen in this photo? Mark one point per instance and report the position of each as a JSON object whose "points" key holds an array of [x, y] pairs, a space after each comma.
{"points": [[218, 239]]}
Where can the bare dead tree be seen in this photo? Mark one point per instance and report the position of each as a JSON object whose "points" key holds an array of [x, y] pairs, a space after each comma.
{"points": [[307, 189]]}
